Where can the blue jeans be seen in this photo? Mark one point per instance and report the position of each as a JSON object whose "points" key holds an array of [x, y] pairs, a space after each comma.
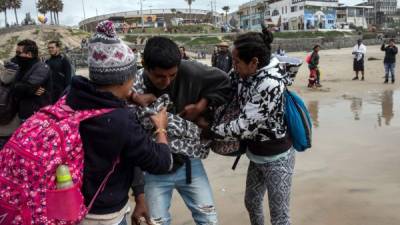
{"points": [[197, 195], [389, 68]]}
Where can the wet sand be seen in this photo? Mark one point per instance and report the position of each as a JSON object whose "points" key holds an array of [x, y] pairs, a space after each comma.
{"points": [[351, 176]]}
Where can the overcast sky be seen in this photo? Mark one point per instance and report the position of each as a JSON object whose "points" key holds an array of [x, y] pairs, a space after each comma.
{"points": [[73, 11]]}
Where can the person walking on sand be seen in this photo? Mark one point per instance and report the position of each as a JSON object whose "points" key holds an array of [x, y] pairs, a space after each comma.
{"points": [[359, 52], [390, 60], [314, 80]]}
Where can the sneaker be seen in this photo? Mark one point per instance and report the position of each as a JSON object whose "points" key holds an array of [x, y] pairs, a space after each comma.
{"points": [[362, 78], [386, 81], [318, 85], [355, 78], [392, 81]]}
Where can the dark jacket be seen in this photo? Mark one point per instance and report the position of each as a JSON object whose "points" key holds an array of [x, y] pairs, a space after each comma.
{"points": [[193, 82], [314, 61], [28, 80], [106, 137], [390, 53], [223, 61], [61, 74]]}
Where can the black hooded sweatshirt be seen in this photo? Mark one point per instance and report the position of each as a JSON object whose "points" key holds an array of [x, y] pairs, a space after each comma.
{"points": [[104, 138]]}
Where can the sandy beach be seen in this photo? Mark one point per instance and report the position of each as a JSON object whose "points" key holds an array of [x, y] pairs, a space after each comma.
{"points": [[351, 176]]}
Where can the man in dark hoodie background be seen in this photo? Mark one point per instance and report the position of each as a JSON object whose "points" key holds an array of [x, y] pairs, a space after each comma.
{"points": [[33, 84], [60, 67]]}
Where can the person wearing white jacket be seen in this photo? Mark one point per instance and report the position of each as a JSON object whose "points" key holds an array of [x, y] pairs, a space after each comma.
{"points": [[359, 52]]}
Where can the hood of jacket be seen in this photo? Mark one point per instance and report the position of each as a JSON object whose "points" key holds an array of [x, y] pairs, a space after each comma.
{"points": [[83, 95]]}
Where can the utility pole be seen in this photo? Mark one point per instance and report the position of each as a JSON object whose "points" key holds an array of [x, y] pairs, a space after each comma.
{"points": [[212, 12], [141, 14], [83, 8]]}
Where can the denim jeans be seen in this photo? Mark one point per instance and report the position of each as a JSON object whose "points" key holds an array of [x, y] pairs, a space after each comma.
{"points": [[389, 68], [197, 195]]}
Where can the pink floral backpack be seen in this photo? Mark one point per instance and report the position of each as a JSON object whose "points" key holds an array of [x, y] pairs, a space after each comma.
{"points": [[28, 164]]}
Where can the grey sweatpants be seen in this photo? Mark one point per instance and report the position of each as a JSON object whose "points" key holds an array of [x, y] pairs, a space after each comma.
{"points": [[276, 178]]}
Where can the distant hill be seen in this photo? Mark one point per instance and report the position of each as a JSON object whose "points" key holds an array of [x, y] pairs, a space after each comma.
{"points": [[69, 37]]}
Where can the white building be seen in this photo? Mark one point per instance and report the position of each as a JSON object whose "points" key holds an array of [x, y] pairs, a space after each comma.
{"points": [[303, 14], [352, 16]]}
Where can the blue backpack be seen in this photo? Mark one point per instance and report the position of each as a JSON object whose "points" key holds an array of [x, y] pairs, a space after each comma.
{"points": [[298, 121]]}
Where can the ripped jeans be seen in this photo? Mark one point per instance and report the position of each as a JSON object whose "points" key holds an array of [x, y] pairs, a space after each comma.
{"points": [[197, 195]]}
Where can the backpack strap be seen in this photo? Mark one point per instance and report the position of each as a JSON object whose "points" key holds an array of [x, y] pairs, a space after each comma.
{"points": [[103, 184]]}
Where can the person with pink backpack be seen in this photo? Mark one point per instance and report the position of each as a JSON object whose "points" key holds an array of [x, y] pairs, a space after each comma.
{"points": [[93, 132]]}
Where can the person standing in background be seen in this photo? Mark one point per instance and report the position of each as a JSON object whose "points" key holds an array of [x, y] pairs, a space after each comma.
{"points": [[390, 60], [359, 52], [61, 69]]}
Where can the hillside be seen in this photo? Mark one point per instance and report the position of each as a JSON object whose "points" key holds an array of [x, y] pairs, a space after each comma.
{"points": [[41, 34]]}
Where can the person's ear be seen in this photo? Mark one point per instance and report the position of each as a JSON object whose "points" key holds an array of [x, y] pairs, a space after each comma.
{"points": [[254, 62]]}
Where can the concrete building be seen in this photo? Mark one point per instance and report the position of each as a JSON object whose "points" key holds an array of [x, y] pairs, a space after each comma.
{"points": [[381, 11], [251, 14], [352, 16], [303, 14], [125, 21]]}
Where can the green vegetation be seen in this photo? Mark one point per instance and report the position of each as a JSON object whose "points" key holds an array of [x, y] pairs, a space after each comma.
{"points": [[78, 32], [7, 48], [310, 34], [204, 41], [36, 32], [369, 35]]}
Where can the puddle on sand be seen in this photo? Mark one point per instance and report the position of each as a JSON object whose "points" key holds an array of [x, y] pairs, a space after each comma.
{"points": [[376, 109]]}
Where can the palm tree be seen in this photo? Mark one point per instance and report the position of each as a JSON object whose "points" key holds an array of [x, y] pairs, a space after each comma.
{"points": [[4, 5], [173, 10], [52, 5], [59, 8], [226, 9], [15, 4], [189, 2], [43, 6]]}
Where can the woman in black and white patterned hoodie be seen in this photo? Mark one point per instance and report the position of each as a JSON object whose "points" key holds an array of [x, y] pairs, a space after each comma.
{"points": [[260, 83]]}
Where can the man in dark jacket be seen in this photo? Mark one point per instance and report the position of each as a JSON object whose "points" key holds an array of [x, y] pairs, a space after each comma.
{"points": [[61, 69], [33, 85], [390, 60], [223, 59], [194, 89], [117, 134]]}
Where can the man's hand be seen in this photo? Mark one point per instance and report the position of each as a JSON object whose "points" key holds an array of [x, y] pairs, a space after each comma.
{"points": [[140, 213], [193, 112], [202, 123], [143, 99], [40, 91]]}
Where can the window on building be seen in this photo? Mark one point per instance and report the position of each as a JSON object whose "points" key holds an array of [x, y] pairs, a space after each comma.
{"points": [[331, 21], [268, 13], [301, 7], [293, 9], [351, 12], [275, 13]]}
